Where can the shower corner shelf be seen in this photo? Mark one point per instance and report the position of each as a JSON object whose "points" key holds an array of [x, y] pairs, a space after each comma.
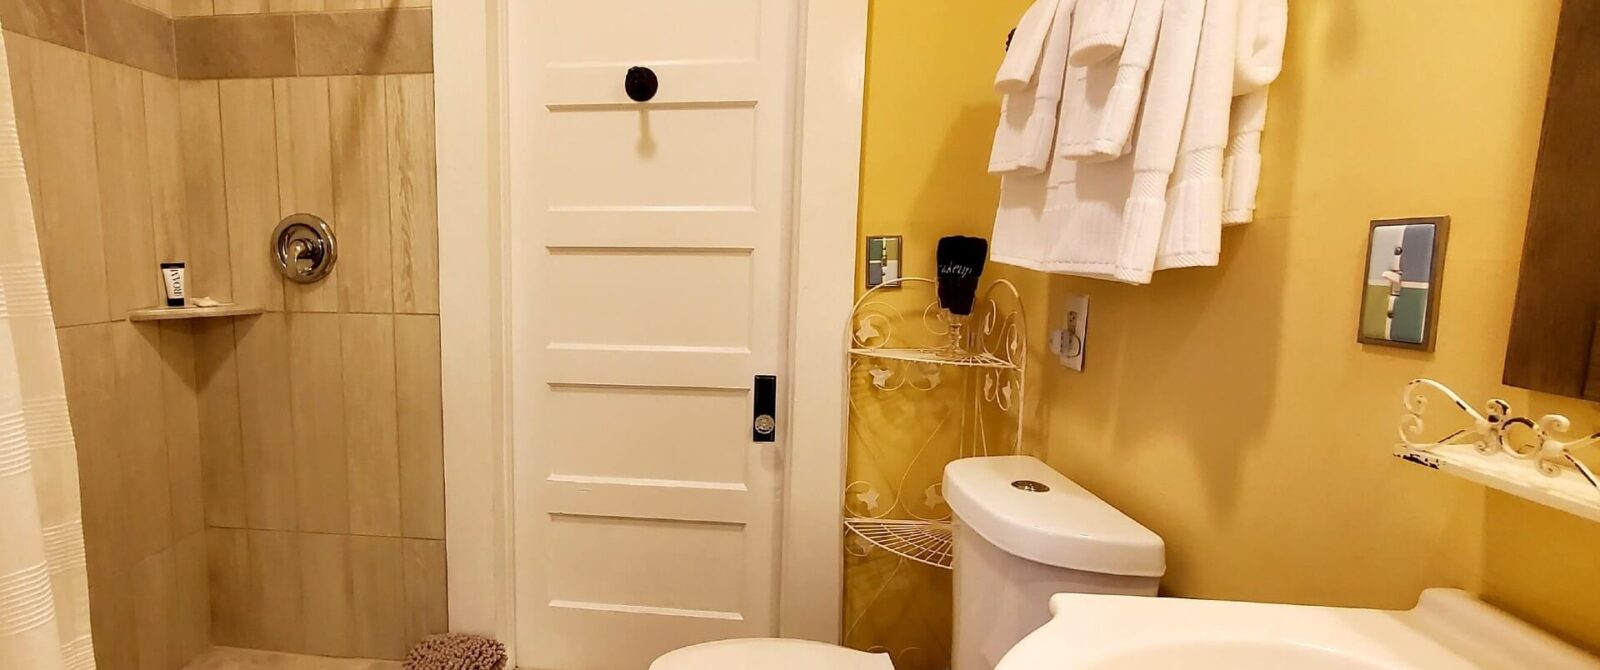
{"points": [[927, 542], [174, 313]]}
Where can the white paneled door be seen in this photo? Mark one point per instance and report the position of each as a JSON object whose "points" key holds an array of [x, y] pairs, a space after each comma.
{"points": [[649, 270]]}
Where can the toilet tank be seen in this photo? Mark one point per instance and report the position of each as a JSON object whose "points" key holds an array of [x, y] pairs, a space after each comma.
{"points": [[1024, 532]]}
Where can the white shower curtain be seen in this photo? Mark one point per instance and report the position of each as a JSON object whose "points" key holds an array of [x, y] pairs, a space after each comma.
{"points": [[44, 587]]}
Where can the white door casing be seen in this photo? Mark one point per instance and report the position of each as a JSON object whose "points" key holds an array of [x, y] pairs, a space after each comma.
{"points": [[649, 268]]}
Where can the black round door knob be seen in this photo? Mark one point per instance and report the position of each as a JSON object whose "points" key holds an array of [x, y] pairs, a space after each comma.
{"points": [[641, 84]]}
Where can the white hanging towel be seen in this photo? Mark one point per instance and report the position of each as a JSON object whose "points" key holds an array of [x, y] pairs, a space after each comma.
{"points": [[1025, 138], [1192, 235], [1263, 28], [1103, 219], [1099, 125], [1099, 29]]}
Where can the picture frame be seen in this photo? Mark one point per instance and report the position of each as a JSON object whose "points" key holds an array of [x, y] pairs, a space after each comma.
{"points": [[1401, 280]]}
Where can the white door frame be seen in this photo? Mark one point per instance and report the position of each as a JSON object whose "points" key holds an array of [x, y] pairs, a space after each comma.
{"points": [[472, 113]]}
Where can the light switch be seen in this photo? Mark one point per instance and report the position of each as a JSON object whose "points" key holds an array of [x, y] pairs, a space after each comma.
{"points": [[1070, 342], [883, 259]]}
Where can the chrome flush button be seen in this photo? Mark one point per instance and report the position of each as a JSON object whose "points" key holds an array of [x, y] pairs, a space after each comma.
{"points": [[1030, 486]]}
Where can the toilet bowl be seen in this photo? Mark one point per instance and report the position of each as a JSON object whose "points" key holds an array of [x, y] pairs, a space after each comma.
{"points": [[770, 654], [1023, 532]]}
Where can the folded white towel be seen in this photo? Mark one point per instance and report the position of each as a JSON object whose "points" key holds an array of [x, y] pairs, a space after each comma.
{"points": [[1021, 63], [1103, 219], [1161, 125], [1106, 133], [1193, 232], [1241, 167], [1263, 26], [1099, 29], [1025, 139]]}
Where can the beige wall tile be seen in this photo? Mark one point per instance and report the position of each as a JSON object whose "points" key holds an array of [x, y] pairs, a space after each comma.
{"points": [[162, 6], [251, 177], [259, 45], [378, 574], [328, 604], [317, 380], [155, 597], [427, 608], [341, 43], [221, 450], [240, 6], [305, 176], [361, 194], [265, 421], [130, 34], [123, 160], [284, 6], [164, 146], [275, 580], [69, 218], [53, 21], [370, 423], [413, 199], [192, 8], [141, 436], [194, 596], [182, 419], [342, 5], [234, 602], [200, 114], [421, 426]]}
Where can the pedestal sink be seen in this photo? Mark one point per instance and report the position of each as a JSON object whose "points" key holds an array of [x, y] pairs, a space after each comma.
{"points": [[1447, 630]]}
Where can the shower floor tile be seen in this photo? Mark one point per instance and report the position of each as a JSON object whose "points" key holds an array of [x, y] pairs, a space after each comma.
{"points": [[227, 658]]}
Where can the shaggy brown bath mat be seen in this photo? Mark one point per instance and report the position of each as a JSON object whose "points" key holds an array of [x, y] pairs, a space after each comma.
{"points": [[457, 651]]}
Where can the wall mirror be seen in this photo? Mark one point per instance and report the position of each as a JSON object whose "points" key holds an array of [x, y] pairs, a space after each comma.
{"points": [[1555, 341]]}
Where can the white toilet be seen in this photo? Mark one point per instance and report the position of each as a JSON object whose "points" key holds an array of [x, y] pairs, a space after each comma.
{"points": [[1023, 533]]}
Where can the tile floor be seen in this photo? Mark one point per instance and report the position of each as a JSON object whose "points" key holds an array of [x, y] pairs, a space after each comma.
{"points": [[227, 658]]}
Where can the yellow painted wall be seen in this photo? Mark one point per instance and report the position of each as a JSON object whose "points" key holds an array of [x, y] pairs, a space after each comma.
{"points": [[1231, 409]]}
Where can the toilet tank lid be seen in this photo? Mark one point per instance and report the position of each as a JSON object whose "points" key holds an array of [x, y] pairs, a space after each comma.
{"points": [[1065, 526]]}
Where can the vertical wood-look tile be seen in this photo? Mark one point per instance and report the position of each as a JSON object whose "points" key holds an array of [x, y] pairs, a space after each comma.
{"points": [[427, 608], [305, 176], [317, 379], [221, 450], [234, 603], [155, 597], [194, 597], [413, 197], [421, 434], [19, 57], [378, 571], [182, 418], [370, 423], [124, 177], [141, 436], [265, 421], [69, 220], [91, 395], [275, 581], [200, 117], [164, 144], [328, 595], [250, 174], [360, 194]]}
